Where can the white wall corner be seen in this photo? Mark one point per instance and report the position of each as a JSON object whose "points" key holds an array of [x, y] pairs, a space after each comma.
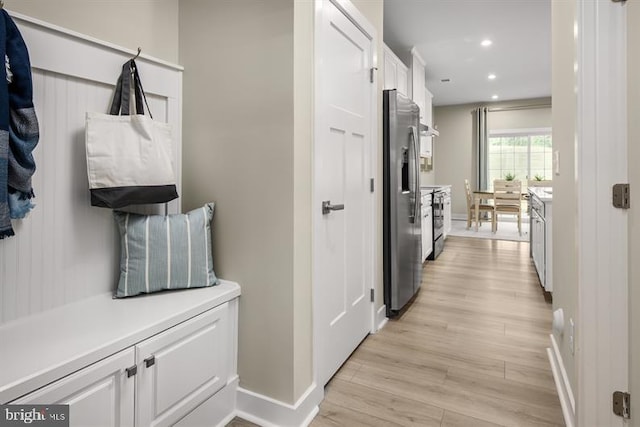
{"points": [[567, 402], [268, 412], [381, 317]]}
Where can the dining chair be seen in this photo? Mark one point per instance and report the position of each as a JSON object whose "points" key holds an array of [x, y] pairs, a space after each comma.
{"points": [[471, 206], [507, 199]]}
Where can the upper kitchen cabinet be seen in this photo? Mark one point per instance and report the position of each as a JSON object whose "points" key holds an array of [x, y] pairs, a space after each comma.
{"points": [[418, 87], [396, 74], [428, 108]]}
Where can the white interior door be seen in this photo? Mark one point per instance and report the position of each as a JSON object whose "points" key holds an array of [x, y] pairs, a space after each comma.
{"points": [[343, 148], [602, 329], [633, 105]]}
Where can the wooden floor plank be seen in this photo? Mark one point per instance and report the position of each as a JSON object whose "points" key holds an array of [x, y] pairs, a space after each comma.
{"points": [[389, 407], [453, 419], [470, 351]]}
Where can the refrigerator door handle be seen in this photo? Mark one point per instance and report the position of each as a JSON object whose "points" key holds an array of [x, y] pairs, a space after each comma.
{"points": [[416, 169]]}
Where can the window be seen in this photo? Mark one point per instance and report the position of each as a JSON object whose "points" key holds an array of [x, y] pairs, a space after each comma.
{"points": [[527, 154]]}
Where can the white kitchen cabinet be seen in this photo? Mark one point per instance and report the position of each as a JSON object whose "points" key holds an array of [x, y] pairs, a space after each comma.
{"points": [[447, 212], [418, 94], [541, 232], [427, 225], [428, 107], [537, 244], [426, 146], [100, 395], [396, 74], [182, 367], [426, 142], [154, 360]]}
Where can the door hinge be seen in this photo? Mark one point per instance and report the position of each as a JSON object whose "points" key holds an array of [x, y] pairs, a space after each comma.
{"points": [[373, 295], [621, 196], [622, 404], [372, 186], [371, 71]]}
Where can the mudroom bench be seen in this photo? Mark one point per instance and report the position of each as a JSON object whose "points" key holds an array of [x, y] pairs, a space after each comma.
{"points": [[162, 359]]}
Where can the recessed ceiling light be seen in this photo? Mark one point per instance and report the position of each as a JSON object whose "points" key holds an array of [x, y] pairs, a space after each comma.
{"points": [[491, 76], [486, 42], [494, 97]]}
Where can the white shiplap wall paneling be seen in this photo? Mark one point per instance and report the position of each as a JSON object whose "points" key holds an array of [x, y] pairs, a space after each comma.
{"points": [[66, 250]]}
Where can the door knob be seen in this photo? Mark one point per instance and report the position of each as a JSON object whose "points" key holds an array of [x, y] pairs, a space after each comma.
{"points": [[327, 207]]}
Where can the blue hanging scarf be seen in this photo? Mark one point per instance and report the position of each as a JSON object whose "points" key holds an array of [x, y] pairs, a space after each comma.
{"points": [[18, 127]]}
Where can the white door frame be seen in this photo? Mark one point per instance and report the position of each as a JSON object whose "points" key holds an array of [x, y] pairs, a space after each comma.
{"points": [[601, 150], [359, 20]]}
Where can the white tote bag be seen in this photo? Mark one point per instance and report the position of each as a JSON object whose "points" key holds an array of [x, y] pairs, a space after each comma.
{"points": [[129, 157]]}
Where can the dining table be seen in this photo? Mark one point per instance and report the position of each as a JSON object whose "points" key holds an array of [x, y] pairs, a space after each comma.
{"points": [[479, 195]]}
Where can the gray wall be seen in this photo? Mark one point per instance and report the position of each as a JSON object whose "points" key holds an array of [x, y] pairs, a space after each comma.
{"points": [[149, 24], [302, 226], [565, 267], [239, 151], [454, 150]]}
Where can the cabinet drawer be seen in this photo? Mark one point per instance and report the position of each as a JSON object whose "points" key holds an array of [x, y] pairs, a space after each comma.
{"points": [[99, 395], [186, 365]]}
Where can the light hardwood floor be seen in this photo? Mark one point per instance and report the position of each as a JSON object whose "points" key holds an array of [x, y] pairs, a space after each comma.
{"points": [[469, 352]]}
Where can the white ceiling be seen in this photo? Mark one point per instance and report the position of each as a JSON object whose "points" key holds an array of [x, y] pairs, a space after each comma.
{"points": [[447, 34]]}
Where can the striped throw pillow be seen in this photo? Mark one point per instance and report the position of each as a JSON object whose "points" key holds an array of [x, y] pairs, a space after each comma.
{"points": [[165, 252]]}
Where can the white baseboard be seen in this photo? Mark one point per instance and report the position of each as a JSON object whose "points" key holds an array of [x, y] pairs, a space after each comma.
{"points": [[268, 412], [459, 217], [561, 379], [381, 317]]}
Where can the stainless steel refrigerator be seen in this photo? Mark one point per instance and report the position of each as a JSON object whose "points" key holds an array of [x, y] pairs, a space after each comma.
{"points": [[401, 225]]}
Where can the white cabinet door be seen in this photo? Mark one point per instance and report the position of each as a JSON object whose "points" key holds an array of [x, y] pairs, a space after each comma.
{"points": [[182, 367], [390, 72], [402, 79], [427, 233], [537, 245], [99, 395], [548, 247], [428, 107], [426, 146], [396, 74], [447, 215], [418, 85]]}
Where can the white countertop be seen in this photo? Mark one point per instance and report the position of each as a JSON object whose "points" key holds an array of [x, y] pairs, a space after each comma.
{"points": [[545, 194], [39, 349], [434, 187]]}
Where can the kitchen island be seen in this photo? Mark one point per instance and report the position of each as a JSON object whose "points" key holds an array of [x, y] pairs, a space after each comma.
{"points": [[540, 199]]}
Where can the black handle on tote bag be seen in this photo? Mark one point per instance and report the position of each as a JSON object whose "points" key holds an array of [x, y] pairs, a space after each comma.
{"points": [[122, 97]]}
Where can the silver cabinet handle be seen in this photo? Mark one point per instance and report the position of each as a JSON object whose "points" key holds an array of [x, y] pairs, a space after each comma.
{"points": [[131, 371], [150, 361], [327, 207]]}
